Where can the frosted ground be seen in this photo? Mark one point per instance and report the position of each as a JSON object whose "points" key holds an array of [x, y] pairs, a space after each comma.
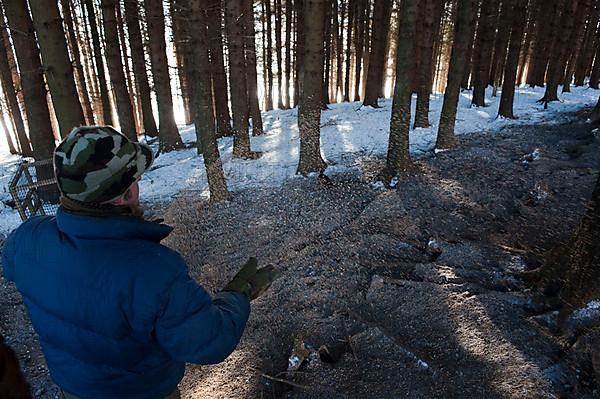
{"points": [[348, 130]]}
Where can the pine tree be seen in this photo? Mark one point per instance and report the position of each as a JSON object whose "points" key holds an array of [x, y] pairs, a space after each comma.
{"points": [[425, 65], [107, 118], [288, 53], [32, 79], [9, 90], [251, 73], [181, 42], [268, 61], [576, 41], [351, 21], [398, 156], [201, 87], [560, 53], [586, 53], [500, 45], [132, 20], [169, 138], [217, 68], [115, 69], [518, 20], [483, 51], [57, 64], [11, 146], [73, 43], [361, 16], [309, 108], [375, 73], [463, 31], [237, 79]]}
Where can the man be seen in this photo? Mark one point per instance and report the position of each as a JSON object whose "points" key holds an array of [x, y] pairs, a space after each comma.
{"points": [[116, 312]]}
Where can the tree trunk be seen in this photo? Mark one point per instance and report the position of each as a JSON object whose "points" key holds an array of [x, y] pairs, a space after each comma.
{"points": [[278, 49], [217, 68], [501, 45], [351, 22], [300, 46], [463, 31], [14, 70], [361, 16], [575, 42], [73, 43], [587, 49], [340, 50], [595, 115], [11, 146], [106, 110], [201, 88], [288, 53], [581, 272], [32, 79], [115, 69], [381, 23], [127, 69], [82, 31], [560, 53], [237, 79], [181, 42], [467, 79], [10, 95], [595, 75], [398, 156], [518, 20], [309, 110], [139, 67], [483, 51], [425, 71], [57, 65], [251, 73], [168, 134], [269, 60], [326, 54]]}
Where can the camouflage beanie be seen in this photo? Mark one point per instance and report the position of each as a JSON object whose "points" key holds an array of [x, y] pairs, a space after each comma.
{"points": [[97, 164]]}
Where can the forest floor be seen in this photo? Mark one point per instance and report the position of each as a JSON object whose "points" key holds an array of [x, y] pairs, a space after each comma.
{"points": [[412, 290]]}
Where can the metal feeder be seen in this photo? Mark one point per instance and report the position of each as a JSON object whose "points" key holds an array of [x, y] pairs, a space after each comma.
{"points": [[34, 189]]}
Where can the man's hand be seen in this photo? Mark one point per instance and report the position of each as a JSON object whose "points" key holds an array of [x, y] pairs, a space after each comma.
{"points": [[252, 281]]}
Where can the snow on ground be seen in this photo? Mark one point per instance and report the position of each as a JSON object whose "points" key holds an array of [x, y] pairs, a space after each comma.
{"points": [[348, 130]]}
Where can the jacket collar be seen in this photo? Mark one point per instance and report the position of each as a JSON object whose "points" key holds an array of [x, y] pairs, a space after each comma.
{"points": [[110, 227]]}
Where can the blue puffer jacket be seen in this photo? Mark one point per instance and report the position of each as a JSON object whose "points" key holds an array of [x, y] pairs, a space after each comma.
{"points": [[117, 314]]}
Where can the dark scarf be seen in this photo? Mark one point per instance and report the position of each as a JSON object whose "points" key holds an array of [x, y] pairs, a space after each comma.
{"points": [[99, 210]]}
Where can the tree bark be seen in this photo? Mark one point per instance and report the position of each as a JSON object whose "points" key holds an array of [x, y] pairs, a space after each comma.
{"points": [[575, 42], [32, 78], [168, 134], [595, 75], [381, 23], [217, 68], [483, 51], [560, 53], [425, 71], [463, 30], [501, 44], [57, 65], [107, 118], [309, 111], [201, 88], [518, 20], [181, 43], [10, 95], [300, 46], [278, 55], [269, 60], [351, 22], [288, 53], [361, 16], [237, 79], [11, 146], [587, 49], [398, 156], [251, 73], [139, 67], [78, 67], [115, 69]]}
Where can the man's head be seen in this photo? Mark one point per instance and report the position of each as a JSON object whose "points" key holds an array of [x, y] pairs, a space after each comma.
{"points": [[97, 165]]}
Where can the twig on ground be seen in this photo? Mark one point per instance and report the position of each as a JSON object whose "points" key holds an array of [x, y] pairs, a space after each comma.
{"points": [[291, 383]]}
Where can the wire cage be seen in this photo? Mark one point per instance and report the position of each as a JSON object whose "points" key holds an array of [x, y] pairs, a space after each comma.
{"points": [[34, 189]]}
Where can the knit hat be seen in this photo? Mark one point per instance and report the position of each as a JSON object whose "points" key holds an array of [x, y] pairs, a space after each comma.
{"points": [[97, 164]]}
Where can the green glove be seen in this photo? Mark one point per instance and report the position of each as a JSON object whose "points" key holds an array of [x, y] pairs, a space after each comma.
{"points": [[251, 281]]}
